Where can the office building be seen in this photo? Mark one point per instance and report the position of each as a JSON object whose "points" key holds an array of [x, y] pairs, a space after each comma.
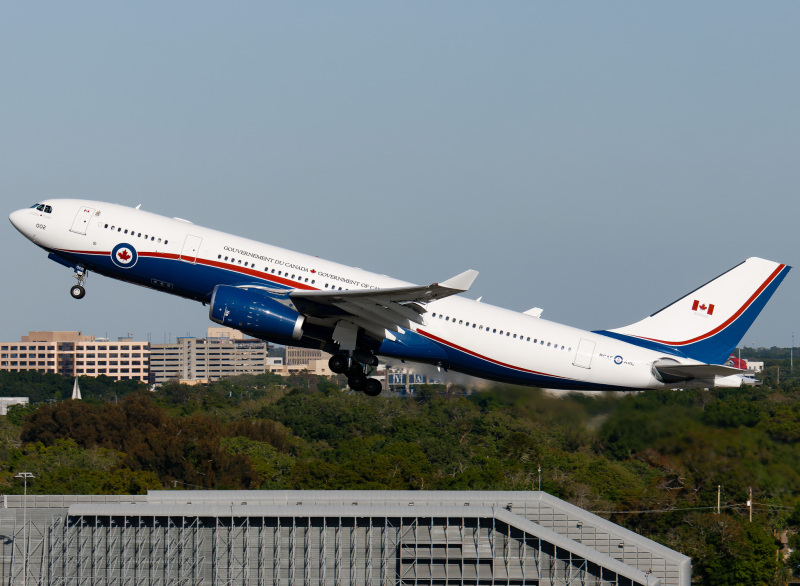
{"points": [[75, 354]]}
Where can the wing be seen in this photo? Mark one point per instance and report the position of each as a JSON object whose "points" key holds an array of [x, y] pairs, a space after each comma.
{"points": [[378, 311]]}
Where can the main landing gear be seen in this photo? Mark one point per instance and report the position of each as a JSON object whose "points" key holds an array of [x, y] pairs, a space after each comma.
{"points": [[357, 378], [77, 291]]}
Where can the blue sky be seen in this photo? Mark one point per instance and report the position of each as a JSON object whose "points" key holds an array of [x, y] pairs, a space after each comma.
{"points": [[598, 160]]}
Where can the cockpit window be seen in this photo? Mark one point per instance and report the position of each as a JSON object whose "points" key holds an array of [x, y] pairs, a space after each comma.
{"points": [[36, 205], [40, 207], [48, 209]]}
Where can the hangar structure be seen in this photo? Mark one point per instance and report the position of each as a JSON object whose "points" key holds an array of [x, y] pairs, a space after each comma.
{"points": [[337, 538]]}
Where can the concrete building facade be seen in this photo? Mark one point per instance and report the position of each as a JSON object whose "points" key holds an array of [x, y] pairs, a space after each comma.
{"points": [[224, 353]]}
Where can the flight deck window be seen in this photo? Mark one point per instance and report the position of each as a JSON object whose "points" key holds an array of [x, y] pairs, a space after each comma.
{"points": [[40, 207], [47, 209]]}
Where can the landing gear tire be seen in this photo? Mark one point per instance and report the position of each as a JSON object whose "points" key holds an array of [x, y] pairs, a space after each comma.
{"points": [[373, 387], [338, 363], [357, 381], [77, 292]]}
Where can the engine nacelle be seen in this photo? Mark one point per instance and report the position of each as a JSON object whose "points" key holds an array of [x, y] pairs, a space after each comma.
{"points": [[255, 312]]}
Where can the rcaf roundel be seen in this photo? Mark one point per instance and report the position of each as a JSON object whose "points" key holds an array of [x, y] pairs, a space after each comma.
{"points": [[124, 256]]}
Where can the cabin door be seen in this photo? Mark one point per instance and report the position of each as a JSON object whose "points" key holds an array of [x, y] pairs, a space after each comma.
{"points": [[583, 357], [81, 221]]}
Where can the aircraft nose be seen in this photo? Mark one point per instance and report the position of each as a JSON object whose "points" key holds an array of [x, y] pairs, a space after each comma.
{"points": [[18, 220]]}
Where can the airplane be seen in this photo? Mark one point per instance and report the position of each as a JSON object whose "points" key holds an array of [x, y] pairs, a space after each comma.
{"points": [[290, 298]]}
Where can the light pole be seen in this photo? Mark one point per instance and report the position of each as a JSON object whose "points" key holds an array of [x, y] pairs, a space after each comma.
{"points": [[25, 476]]}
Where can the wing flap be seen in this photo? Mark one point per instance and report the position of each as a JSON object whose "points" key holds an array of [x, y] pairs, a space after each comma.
{"points": [[380, 311]]}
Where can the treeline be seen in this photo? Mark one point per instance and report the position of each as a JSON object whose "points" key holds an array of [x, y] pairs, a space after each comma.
{"points": [[651, 462]]}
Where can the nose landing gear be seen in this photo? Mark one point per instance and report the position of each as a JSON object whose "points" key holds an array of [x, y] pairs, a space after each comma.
{"points": [[78, 291], [357, 378]]}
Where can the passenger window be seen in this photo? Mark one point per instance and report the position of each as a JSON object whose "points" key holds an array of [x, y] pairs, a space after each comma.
{"points": [[515, 335], [548, 344], [126, 231], [460, 322], [119, 229], [326, 285], [166, 241], [152, 239], [529, 339], [473, 326], [447, 318], [112, 227], [106, 226], [139, 235], [494, 331]]}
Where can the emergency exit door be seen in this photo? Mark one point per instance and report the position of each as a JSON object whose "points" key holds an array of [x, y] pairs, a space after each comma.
{"points": [[191, 247]]}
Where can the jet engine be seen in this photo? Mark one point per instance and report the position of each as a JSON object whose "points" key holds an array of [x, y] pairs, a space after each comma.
{"points": [[255, 312]]}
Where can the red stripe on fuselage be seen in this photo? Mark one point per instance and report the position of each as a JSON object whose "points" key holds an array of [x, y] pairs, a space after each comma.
{"points": [[730, 320], [211, 263], [486, 358]]}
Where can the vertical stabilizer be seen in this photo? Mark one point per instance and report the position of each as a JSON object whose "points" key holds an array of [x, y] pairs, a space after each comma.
{"points": [[709, 322]]}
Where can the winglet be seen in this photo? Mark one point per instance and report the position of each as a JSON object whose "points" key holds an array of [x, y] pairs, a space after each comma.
{"points": [[461, 282]]}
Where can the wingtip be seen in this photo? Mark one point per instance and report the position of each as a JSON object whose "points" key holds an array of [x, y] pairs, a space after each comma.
{"points": [[461, 282]]}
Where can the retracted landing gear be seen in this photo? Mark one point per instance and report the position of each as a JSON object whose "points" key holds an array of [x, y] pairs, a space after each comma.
{"points": [[357, 378], [77, 291]]}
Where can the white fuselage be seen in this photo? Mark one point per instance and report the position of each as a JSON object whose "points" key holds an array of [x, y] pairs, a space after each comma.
{"points": [[180, 258]]}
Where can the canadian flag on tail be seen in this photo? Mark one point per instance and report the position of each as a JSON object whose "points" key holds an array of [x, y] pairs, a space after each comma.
{"points": [[706, 308]]}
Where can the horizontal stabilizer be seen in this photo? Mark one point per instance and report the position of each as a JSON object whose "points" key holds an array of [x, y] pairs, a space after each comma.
{"points": [[675, 372]]}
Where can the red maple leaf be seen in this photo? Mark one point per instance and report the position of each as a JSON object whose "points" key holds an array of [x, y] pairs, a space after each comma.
{"points": [[703, 307], [123, 254], [313, 271]]}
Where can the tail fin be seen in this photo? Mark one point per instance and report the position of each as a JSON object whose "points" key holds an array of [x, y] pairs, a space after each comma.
{"points": [[709, 322]]}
